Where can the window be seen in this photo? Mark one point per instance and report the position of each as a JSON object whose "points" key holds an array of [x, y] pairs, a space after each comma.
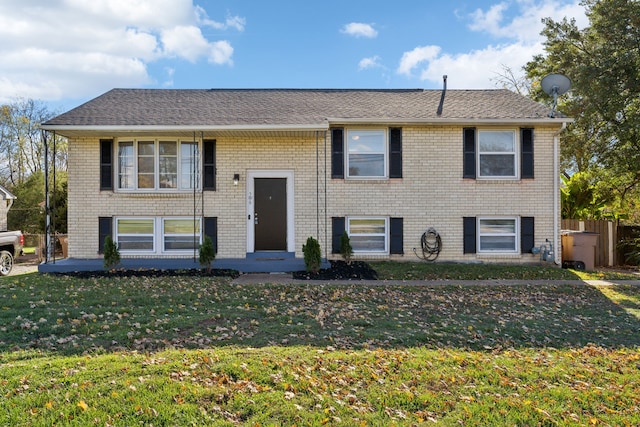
{"points": [[367, 153], [153, 165], [368, 234], [178, 234], [497, 235], [135, 234], [142, 234], [497, 154]]}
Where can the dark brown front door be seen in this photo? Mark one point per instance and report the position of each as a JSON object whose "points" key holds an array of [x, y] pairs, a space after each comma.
{"points": [[270, 217]]}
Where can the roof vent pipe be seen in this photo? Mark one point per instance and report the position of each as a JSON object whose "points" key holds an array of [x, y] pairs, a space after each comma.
{"points": [[444, 91]]}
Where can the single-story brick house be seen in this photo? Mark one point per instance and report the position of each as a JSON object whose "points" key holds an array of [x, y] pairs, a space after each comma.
{"points": [[261, 170]]}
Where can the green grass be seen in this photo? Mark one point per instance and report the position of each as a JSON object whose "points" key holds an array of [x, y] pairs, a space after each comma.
{"points": [[203, 351], [389, 270]]}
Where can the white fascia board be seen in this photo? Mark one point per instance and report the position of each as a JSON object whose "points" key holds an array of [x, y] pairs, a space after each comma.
{"points": [[168, 128], [463, 122]]}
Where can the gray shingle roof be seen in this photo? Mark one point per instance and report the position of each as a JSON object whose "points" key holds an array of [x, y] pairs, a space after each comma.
{"points": [[292, 107]]}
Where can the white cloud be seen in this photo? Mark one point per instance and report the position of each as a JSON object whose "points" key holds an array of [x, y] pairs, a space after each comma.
{"points": [[525, 25], [188, 42], [417, 56], [368, 63], [516, 27], [77, 48], [475, 69], [358, 29], [235, 22]]}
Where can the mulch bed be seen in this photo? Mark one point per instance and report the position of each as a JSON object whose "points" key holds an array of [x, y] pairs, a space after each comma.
{"points": [[340, 270]]}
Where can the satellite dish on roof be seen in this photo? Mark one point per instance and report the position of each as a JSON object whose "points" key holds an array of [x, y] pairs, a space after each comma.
{"points": [[554, 85]]}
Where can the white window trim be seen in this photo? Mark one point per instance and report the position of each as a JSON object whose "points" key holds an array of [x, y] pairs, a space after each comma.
{"points": [[385, 134], [158, 236], [516, 156], [516, 249], [157, 188], [386, 234], [129, 251], [162, 234]]}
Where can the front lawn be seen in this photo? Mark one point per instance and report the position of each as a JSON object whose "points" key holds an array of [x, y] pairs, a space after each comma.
{"points": [[203, 351]]}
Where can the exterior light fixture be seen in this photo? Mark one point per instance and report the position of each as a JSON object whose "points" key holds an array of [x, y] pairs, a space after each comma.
{"points": [[236, 178]]}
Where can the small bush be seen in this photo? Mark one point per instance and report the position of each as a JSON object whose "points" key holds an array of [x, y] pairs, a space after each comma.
{"points": [[207, 253], [111, 253], [312, 255], [345, 247]]}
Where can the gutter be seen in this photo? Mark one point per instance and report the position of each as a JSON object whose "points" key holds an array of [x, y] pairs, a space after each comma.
{"points": [[183, 128], [456, 121]]}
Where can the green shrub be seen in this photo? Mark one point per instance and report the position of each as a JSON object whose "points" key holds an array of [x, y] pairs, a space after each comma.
{"points": [[312, 255], [345, 247], [111, 253], [207, 253]]}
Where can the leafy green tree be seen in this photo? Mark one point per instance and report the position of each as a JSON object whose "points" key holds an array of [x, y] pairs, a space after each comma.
{"points": [[28, 210], [581, 198], [603, 63]]}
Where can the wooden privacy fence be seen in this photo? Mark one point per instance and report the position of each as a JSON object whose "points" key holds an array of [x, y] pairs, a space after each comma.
{"points": [[607, 242]]}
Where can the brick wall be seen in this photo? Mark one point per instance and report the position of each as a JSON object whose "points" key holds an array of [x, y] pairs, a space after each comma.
{"points": [[432, 192]]}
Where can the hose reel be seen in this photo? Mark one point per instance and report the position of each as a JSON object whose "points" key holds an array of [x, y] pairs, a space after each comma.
{"points": [[431, 245]]}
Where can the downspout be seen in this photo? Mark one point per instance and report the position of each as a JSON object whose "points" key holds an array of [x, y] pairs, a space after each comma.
{"points": [[326, 243], [556, 195], [317, 186]]}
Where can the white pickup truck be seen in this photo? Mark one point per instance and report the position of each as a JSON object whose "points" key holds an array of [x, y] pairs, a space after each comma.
{"points": [[11, 243]]}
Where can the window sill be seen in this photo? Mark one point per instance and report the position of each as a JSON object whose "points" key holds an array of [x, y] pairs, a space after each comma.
{"points": [[156, 193], [500, 181], [502, 255], [366, 180]]}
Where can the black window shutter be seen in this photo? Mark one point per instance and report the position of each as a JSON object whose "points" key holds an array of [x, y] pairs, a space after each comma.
{"points": [[527, 234], [209, 164], [106, 164], [337, 153], [395, 153], [469, 143], [526, 140], [469, 233], [211, 230], [396, 234], [337, 228], [105, 225]]}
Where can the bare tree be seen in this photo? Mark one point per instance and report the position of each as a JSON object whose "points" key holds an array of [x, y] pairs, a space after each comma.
{"points": [[22, 141], [508, 79]]}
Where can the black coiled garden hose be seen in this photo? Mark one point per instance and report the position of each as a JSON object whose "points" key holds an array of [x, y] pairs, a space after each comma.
{"points": [[431, 244]]}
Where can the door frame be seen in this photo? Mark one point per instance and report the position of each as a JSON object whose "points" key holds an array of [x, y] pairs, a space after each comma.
{"points": [[283, 173]]}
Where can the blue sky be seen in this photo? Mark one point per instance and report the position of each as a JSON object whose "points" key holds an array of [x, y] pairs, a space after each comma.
{"points": [[65, 52]]}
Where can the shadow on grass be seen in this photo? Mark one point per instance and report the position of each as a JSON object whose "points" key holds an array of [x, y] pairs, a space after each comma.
{"points": [[70, 315]]}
